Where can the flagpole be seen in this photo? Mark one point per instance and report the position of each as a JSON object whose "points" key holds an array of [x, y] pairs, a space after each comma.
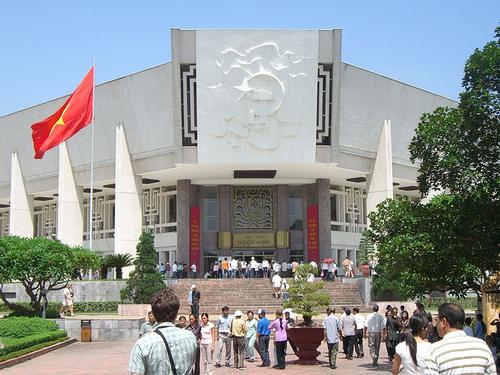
{"points": [[91, 213]]}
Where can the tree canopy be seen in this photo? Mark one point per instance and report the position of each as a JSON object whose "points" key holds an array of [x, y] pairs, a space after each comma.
{"points": [[452, 242], [145, 279], [40, 263]]}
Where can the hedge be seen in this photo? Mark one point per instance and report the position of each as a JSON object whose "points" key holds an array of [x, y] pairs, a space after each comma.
{"points": [[19, 327], [13, 345], [18, 353], [80, 307]]}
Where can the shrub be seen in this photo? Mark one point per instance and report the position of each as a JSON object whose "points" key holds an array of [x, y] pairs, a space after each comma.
{"points": [[80, 307], [19, 327], [145, 279], [26, 342]]}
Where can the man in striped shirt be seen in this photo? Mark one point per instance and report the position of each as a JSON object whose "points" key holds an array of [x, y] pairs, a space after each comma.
{"points": [[457, 353]]}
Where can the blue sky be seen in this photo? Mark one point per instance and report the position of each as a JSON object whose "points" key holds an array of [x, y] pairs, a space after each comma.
{"points": [[48, 46]]}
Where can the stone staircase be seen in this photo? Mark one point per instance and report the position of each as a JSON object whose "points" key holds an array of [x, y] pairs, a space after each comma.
{"points": [[251, 294]]}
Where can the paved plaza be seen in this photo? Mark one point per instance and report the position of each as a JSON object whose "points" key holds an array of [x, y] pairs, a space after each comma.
{"points": [[111, 358]]}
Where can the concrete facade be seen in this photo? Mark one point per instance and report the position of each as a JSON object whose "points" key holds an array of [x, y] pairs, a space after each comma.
{"points": [[220, 122]]}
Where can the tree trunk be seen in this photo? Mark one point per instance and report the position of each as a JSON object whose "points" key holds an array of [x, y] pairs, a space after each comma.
{"points": [[119, 273]]}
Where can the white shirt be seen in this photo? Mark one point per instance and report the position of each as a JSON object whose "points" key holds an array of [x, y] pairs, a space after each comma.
{"points": [[284, 266], [174, 267], [409, 367], [347, 324], [276, 267], [276, 281], [193, 267], [234, 264], [374, 323], [331, 324], [446, 357], [265, 264], [253, 264], [313, 263], [243, 265], [360, 321], [310, 278]]}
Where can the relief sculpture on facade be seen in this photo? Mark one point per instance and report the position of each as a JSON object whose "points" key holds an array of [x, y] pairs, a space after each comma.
{"points": [[253, 208], [254, 85]]}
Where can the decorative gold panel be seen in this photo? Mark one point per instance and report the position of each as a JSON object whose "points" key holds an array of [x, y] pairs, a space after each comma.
{"points": [[225, 240], [253, 208], [282, 239], [253, 240]]}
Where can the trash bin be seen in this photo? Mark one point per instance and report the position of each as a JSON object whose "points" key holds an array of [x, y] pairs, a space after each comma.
{"points": [[86, 331]]}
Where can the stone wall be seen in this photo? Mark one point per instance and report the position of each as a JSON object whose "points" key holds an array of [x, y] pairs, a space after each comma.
{"points": [[104, 329], [85, 291]]}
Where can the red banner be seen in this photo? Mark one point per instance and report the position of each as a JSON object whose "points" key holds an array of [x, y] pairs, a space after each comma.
{"points": [[194, 237], [312, 233]]}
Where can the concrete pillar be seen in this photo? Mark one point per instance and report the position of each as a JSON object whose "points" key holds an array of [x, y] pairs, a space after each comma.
{"points": [[282, 219], [379, 182], [183, 220], [21, 204], [128, 199], [69, 203], [225, 203], [324, 219]]}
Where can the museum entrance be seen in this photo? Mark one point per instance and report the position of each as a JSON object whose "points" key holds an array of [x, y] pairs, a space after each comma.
{"points": [[258, 254]]}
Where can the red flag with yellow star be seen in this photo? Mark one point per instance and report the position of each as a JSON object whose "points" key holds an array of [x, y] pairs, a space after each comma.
{"points": [[74, 115]]}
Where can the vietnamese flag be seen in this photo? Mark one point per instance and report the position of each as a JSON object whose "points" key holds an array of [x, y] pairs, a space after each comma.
{"points": [[74, 115]]}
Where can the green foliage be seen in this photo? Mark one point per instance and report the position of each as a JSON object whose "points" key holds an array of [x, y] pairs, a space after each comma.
{"points": [[384, 288], [22, 327], [365, 250], [30, 349], [13, 345], [40, 263], [448, 244], [145, 280], [80, 307], [451, 243], [306, 298], [119, 261], [458, 148]]}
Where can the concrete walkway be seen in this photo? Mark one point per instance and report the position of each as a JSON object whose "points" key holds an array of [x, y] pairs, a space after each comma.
{"points": [[111, 358]]}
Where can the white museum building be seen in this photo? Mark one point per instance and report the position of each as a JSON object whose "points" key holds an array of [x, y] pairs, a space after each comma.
{"points": [[248, 143]]}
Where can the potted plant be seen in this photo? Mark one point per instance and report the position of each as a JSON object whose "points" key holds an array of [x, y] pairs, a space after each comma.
{"points": [[307, 299], [365, 251]]}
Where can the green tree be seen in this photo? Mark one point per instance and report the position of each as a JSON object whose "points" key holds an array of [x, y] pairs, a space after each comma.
{"points": [[446, 245], [458, 148], [451, 243], [366, 249], [119, 261], [306, 298], [145, 279], [40, 263]]}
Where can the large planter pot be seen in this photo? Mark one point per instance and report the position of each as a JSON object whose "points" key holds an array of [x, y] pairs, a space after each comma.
{"points": [[307, 340]]}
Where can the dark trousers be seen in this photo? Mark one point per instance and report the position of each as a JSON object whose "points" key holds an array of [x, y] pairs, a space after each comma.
{"points": [[264, 350], [391, 347], [195, 309], [358, 342], [349, 342], [281, 353], [239, 351]]}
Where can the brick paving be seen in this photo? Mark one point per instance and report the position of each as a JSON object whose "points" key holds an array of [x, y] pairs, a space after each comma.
{"points": [[111, 358]]}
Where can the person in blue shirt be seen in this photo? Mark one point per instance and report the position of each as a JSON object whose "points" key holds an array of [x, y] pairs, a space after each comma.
{"points": [[263, 333]]}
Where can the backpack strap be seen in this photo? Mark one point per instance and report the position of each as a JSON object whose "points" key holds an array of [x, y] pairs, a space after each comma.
{"points": [[172, 364]]}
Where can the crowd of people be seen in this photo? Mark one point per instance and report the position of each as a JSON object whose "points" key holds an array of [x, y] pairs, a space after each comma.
{"points": [[267, 268], [416, 343]]}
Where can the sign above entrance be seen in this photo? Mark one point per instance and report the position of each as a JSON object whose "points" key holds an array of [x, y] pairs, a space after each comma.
{"points": [[253, 240]]}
